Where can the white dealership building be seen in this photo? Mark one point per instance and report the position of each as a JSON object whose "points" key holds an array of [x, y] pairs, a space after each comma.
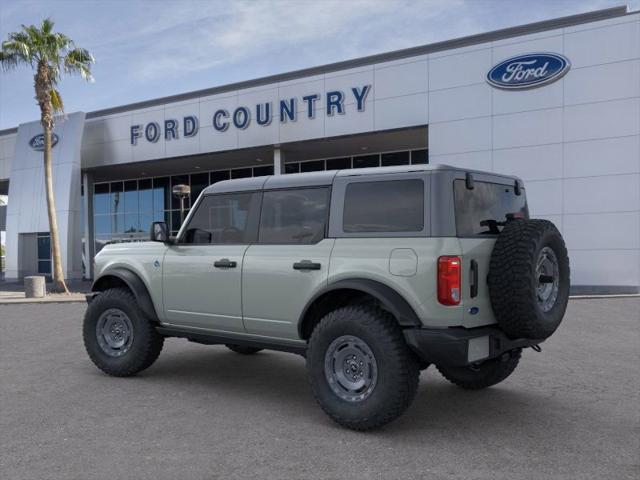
{"points": [[556, 103]]}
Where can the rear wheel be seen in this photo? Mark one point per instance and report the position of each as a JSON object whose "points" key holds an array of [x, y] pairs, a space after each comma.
{"points": [[361, 371], [484, 375], [118, 337], [242, 349]]}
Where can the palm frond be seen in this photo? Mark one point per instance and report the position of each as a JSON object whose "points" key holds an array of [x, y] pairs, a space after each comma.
{"points": [[79, 61], [47, 26], [9, 61], [56, 101]]}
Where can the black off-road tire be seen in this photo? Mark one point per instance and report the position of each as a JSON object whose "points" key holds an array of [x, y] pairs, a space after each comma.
{"points": [[512, 279], [484, 375], [397, 368], [146, 342], [242, 349]]}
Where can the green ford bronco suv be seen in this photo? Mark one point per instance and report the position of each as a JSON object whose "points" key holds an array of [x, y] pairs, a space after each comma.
{"points": [[370, 274]]}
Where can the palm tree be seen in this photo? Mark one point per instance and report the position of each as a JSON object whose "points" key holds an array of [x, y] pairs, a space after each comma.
{"points": [[50, 55]]}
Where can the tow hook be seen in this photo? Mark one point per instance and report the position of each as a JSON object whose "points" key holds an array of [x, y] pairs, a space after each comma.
{"points": [[536, 348]]}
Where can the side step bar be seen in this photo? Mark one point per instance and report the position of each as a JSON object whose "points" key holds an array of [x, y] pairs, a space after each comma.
{"points": [[216, 339]]}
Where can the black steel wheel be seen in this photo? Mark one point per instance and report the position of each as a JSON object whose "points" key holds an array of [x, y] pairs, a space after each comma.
{"points": [[118, 337], [362, 373]]}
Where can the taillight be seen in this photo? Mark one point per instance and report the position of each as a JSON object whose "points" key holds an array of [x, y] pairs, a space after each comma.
{"points": [[449, 280]]}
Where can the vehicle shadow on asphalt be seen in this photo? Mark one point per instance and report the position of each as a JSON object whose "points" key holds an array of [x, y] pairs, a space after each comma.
{"points": [[278, 381]]}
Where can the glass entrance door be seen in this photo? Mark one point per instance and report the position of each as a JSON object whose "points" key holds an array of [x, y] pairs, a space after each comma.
{"points": [[44, 253]]}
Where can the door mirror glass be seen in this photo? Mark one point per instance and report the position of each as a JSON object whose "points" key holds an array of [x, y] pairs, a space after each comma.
{"points": [[159, 232]]}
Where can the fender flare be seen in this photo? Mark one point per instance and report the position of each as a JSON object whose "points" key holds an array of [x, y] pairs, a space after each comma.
{"points": [[135, 284], [392, 300]]}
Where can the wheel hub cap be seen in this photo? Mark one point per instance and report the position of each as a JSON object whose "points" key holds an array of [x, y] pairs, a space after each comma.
{"points": [[114, 332], [547, 278], [350, 368]]}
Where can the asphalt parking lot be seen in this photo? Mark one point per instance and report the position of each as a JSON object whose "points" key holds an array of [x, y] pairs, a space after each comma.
{"points": [[201, 412]]}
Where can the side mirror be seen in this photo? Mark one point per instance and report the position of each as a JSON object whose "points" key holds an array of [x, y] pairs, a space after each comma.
{"points": [[159, 232]]}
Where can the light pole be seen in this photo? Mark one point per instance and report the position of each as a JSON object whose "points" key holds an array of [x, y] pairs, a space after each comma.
{"points": [[182, 192]]}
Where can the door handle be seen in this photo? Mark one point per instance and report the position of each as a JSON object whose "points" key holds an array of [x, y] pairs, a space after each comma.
{"points": [[306, 265], [474, 279], [224, 263]]}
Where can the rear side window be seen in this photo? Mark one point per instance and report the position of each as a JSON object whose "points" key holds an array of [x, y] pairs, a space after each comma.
{"points": [[384, 206], [483, 210], [294, 216], [224, 219]]}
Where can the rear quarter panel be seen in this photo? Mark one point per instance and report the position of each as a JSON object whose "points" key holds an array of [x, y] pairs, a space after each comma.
{"points": [[371, 258]]}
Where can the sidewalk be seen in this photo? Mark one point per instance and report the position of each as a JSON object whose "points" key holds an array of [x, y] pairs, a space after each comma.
{"points": [[14, 293]]}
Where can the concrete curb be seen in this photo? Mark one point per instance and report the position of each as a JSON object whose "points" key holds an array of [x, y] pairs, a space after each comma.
{"points": [[18, 301]]}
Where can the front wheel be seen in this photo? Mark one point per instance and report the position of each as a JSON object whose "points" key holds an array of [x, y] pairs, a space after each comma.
{"points": [[118, 337], [484, 375], [360, 369]]}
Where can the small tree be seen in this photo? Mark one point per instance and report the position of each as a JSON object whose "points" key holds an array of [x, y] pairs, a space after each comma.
{"points": [[49, 54]]}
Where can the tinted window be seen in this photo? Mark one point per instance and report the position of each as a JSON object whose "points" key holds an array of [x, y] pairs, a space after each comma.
{"points": [[395, 158], [295, 216], [313, 166], [366, 161], [482, 210], [384, 206], [228, 218]]}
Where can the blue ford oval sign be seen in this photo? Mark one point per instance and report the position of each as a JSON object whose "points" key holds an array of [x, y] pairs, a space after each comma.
{"points": [[37, 142], [528, 71]]}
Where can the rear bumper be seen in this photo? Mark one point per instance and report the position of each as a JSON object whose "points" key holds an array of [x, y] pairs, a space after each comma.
{"points": [[456, 347]]}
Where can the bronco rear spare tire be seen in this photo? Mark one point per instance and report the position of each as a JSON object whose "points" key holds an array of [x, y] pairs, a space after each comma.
{"points": [[529, 278]]}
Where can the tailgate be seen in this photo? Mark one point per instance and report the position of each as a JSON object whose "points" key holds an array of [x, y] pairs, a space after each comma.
{"points": [[476, 254]]}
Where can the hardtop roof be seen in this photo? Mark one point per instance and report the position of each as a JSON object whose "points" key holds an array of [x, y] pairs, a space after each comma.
{"points": [[326, 178]]}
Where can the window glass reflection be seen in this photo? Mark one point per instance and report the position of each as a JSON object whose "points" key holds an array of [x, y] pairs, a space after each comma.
{"points": [[101, 198], [145, 195]]}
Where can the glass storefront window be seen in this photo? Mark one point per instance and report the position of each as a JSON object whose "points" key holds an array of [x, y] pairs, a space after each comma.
{"points": [[419, 157], [241, 173], [131, 203], [218, 176], [117, 223], [339, 163], [366, 161], [146, 219], [312, 166], [161, 194], [131, 223], [101, 198], [102, 224], [292, 167], [145, 195], [199, 181], [395, 158], [116, 198], [263, 171]]}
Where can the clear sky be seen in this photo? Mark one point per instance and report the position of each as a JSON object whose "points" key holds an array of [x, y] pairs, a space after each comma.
{"points": [[149, 49]]}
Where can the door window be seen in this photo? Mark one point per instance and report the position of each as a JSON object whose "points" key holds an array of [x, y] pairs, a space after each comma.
{"points": [[224, 219], [294, 216]]}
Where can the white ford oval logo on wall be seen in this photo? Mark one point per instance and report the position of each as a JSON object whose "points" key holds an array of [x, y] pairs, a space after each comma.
{"points": [[37, 142], [528, 71]]}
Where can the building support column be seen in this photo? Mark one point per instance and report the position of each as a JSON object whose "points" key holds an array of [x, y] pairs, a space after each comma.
{"points": [[278, 161], [89, 243]]}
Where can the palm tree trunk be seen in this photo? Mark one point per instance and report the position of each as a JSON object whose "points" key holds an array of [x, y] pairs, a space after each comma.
{"points": [[58, 275]]}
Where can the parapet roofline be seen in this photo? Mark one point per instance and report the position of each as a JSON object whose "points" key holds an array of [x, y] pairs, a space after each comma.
{"points": [[494, 35]]}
